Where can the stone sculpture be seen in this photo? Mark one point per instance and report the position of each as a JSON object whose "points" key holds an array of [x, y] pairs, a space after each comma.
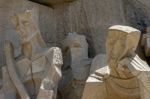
{"points": [[36, 72], [127, 75], [77, 47]]}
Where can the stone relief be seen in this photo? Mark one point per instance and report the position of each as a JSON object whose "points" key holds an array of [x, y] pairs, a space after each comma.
{"points": [[126, 75], [77, 47], [36, 72]]}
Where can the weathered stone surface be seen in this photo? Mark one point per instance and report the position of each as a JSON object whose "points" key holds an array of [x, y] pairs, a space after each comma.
{"points": [[118, 80], [80, 65], [98, 62], [141, 70], [88, 17], [13, 73], [82, 16], [91, 18], [38, 68], [10, 8]]}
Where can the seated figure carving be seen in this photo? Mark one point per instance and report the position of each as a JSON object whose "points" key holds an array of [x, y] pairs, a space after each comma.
{"points": [[36, 72], [127, 75]]}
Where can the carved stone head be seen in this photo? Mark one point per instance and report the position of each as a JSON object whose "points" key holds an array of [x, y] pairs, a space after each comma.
{"points": [[76, 47], [25, 25], [121, 41], [74, 40]]}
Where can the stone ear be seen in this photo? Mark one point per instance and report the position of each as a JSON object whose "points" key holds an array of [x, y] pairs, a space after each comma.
{"points": [[14, 20]]}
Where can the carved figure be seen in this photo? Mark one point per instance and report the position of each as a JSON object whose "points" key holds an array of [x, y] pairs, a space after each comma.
{"points": [[37, 71], [126, 76], [77, 47]]}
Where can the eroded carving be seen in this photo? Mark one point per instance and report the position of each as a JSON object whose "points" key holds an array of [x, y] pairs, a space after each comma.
{"points": [[37, 71], [126, 76], [77, 48]]}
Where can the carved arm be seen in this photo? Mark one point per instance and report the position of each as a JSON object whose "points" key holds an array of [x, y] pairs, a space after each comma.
{"points": [[10, 62]]}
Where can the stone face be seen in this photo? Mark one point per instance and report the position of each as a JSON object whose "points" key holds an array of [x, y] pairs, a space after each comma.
{"points": [[26, 26], [37, 71], [125, 73]]}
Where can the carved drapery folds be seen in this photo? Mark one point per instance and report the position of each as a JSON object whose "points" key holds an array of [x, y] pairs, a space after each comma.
{"points": [[127, 75]]}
